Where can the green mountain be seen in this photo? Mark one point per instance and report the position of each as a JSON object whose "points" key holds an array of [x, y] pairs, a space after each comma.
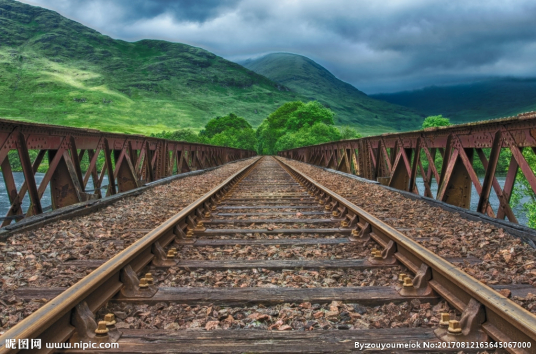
{"points": [[470, 102], [57, 71], [352, 107]]}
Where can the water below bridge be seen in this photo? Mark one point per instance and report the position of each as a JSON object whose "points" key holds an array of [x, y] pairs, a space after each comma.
{"points": [[494, 201], [46, 201]]}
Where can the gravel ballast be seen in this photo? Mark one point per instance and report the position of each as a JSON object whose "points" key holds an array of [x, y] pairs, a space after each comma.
{"points": [[505, 258], [32, 258]]}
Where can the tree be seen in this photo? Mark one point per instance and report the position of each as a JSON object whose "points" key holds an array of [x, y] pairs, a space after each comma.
{"points": [[231, 131], [221, 124], [278, 118], [266, 138], [184, 134], [309, 114], [349, 133], [317, 134], [435, 121], [291, 118], [236, 138]]}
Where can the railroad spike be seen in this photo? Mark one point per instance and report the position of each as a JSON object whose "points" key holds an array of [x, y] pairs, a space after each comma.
{"points": [[179, 233], [454, 327], [144, 283], [352, 219], [87, 329], [407, 282], [161, 257], [195, 224], [84, 322], [445, 318], [102, 330], [363, 234], [339, 213], [113, 332], [419, 286], [468, 328], [131, 285], [385, 257]]}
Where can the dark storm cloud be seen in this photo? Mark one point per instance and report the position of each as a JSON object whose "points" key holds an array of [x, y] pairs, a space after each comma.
{"points": [[376, 46], [190, 10], [135, 10]]}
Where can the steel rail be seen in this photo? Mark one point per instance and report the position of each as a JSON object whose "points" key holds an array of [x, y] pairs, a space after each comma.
{"points": [[52, 322], [505, 321]]}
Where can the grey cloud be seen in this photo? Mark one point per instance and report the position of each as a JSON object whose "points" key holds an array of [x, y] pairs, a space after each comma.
{"points": [[376, 46], [135, 10]]}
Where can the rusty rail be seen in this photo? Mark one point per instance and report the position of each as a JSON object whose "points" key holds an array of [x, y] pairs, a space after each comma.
{"points": [[485, 310], [395, 160], [54, 322], [130, 161], [485, 313]]}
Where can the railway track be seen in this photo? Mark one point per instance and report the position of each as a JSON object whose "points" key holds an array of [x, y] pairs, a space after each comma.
{"points": [[271, 261]]}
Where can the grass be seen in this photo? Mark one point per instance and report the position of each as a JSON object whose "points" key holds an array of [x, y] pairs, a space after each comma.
{"points": [[54, 70]]}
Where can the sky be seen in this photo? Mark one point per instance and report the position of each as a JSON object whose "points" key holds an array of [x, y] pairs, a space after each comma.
{"points": [[377, 46]]}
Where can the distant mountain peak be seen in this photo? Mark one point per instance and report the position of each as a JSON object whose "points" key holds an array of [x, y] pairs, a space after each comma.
{"points": [[59, 71], [352, 107], [471, 101]]}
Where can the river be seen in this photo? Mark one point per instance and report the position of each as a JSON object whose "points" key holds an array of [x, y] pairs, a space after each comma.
{"points": [[46, 201], [494, 201]]}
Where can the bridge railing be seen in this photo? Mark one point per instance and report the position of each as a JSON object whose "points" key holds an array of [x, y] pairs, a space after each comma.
{"points": [[449, 155], [71, 157]]}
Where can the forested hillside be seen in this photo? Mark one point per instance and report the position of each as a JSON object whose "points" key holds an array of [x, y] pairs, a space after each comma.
{"points": [[54, 70], [351, 106], [471, 102]]}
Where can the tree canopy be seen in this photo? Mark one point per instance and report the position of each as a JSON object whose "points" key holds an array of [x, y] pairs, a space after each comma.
{"points": [[435, 121], [230, 130], [184, 134], [318, 133], [291, 125], [221, 124], [349, 133]]}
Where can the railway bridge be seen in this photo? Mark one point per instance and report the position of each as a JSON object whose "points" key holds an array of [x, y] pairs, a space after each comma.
{"points": [[135, 244]]}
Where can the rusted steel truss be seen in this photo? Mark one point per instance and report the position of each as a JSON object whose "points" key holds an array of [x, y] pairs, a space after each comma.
{"points": [[396, 160], [128, 161]]}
